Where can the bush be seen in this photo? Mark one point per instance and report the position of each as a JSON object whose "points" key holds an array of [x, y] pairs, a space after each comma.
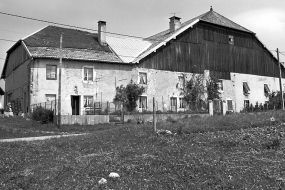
{"points": [[42, 115], [2, 110]]}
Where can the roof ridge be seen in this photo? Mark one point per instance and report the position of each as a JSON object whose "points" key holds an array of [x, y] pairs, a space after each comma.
{"points": [[245, 29]]}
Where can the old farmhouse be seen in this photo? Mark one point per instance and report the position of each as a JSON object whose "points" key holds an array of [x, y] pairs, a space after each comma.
{"points": [[95, 63]]}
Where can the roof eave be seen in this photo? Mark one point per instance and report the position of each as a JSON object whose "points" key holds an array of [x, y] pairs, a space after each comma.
{"points": [[87, 60]]}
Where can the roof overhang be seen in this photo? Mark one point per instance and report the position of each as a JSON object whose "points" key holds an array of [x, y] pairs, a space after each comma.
{"points": [[173, 36]]}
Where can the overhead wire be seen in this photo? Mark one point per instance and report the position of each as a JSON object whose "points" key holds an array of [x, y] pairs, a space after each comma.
{"points": [[118, 35]]}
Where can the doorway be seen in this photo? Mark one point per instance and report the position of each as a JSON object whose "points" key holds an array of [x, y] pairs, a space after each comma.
{"points": [[75, 105]]}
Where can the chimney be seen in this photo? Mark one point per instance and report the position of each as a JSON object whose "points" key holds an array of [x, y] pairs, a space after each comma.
{"points": [[102, 32], [174, 23]]}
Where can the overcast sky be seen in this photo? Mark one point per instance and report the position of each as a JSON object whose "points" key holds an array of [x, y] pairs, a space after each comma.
{"points": [[140, 17]]}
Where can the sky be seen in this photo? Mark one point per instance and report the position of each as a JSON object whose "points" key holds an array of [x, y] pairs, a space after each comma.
{"points": [[141, 18]]}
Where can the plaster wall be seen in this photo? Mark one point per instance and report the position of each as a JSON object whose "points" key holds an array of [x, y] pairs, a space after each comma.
{"points": [[102, 88], [256, 85], [161, 84]]}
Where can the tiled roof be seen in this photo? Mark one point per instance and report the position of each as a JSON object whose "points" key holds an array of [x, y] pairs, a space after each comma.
{"points": [[73, 54], [78, 45], [211, 17]]}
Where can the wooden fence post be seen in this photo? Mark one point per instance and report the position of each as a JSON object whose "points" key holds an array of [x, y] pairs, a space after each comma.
{"points": [[154, 115], [211, 110]]}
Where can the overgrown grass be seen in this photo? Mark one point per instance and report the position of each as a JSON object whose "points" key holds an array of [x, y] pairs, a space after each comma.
{"points": [[237, 157], [16, 127], [230, 122]]}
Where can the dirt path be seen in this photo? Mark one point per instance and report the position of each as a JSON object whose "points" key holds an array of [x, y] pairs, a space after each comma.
{"points": [[38, 138]]}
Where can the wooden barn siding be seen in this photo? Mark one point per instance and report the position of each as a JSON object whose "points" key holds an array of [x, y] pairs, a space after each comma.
{"points": [[206, 47], [16, 58]]}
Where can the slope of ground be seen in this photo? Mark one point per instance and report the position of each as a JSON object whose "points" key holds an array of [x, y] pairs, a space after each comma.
{"points": [[236, 157]]}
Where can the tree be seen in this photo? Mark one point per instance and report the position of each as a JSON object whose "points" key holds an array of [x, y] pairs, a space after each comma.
{"points": [[274, 100], [213, 88], [129, 95], [194, 89]]}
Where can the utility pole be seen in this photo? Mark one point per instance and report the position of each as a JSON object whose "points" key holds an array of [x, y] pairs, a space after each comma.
{"points": [[280, 76], [59, 82], [154, 116]]}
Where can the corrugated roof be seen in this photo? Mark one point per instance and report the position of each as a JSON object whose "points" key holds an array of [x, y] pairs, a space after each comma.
{"points": [[127, 48]]}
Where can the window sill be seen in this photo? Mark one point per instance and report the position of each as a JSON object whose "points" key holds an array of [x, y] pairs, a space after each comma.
{"points": [[51, 79], [88, 81]]}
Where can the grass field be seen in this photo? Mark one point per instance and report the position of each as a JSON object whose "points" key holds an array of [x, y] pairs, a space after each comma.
{"points": [[17, 127], [239, 151]]}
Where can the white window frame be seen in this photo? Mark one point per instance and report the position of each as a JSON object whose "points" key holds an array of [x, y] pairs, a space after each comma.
{"points": [[88, 96], [51, 78], [140, 107], [232, 105], [182, 103], [93, 73], [139, 78]]}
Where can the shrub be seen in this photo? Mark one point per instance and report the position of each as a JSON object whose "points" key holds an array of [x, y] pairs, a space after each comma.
{"points": [[2, 110], [42, 115]]}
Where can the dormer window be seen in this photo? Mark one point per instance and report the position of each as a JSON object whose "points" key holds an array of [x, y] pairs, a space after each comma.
{"points": [[246, 88], [231, 39]]}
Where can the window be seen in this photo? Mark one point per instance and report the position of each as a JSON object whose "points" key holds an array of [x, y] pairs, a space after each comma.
{"points": [[246, 88], [142, 78], [50, 97], [182, 103], [246, 103], [51, 72], [143, 102], [266, 89], [231, 39], [88, 73], [230, 105], [221, 86], [181, 82], [88, 101]]}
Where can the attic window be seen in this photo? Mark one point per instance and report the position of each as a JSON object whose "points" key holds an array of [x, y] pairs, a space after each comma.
{"points": [[246, 88], [266, 89], [231, 39]]}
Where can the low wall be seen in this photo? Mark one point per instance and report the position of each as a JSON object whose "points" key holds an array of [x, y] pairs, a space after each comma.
{"points": [[82, 119], [161, 117]]}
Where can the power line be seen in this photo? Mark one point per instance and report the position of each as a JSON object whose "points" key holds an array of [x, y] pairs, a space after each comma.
{"points": [[8, 40], [67, 25], [83, 28], [12, 31]]}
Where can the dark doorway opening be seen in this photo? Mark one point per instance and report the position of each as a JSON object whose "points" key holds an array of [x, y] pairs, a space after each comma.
{"points": [[75, 105]]}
